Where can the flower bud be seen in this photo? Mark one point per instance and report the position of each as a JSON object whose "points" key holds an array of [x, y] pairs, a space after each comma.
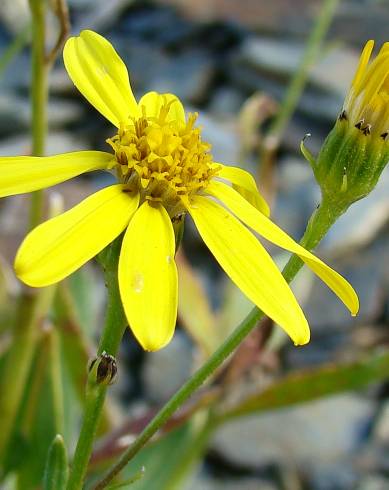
{"points": [[356, 151], [103, 369]]}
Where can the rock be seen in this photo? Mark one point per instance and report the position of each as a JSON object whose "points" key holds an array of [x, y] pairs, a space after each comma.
{"points": [[381, 427], [356, 22], [57, 142], [17, 74], [297, 128], [15, 112], [341, 476], [297, 195], [368, 271], [332, 72], [80, 4], [15, 14], [167, 369], [225, 101], [318, 433], [187, 75], [100, 16], [63, 112], [363, 220], [315, 103], [272, 55], [260, 14], [158, 25], [60, 82], [373, 482], [222, 135], [203, 482]]}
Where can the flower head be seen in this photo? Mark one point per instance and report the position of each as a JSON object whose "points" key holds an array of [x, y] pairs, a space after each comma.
{"points": [[164, 169], [357, 149]]}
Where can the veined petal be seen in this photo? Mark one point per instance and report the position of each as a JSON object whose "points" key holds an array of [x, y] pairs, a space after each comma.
{"points": [[148, 276], [151, 104], [100, 75], [26, 174], [249, 266], [245, 184], [269, 230], [58, 247]]}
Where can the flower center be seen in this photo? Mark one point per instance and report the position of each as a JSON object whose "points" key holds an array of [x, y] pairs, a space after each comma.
{"points": [[165, 159]]}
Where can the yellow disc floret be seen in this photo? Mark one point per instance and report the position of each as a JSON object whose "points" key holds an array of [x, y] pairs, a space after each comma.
{"points": [[165, 159]]}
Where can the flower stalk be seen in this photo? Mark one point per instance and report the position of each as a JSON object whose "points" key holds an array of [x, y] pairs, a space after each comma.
{"points": [[33, 307], [115, 324], [39, 95], [319, 224]]}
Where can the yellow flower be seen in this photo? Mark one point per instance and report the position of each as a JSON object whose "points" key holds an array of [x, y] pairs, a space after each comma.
{"points": [[357, 149], [164, 170], [367, 104]]}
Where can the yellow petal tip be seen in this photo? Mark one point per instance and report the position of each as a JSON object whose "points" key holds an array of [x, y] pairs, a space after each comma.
{"points": [[150, 344], [303, 340]]}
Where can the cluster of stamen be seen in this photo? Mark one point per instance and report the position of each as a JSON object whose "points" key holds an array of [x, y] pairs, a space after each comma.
{"points": [[165, 159]]}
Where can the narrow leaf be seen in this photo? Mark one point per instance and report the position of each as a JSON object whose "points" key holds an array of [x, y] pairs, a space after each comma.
{"points": [[129, 481], [56, 471], [307, 385]]}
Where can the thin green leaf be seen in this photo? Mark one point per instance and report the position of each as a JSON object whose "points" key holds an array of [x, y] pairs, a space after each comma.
{"points": [[306, 385], [129, 481], [56, 471]]}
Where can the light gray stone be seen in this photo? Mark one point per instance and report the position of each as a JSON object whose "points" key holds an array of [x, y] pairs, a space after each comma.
{"points": [[232, 483], [363, 220], [282, 57], [57, 142], [167, 369], [374, 482], [316, 433]]}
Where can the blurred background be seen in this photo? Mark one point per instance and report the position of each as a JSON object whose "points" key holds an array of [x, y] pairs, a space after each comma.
{"points": [[231, 61]]}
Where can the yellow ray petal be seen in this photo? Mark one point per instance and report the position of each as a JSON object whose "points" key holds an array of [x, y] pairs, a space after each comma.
{"points": [[148, 276], [363, 62], [100, 75], [384, 49], [249, 266], [245, 184], [61, 245], [151, 104], [26, 174], [269, 230]]}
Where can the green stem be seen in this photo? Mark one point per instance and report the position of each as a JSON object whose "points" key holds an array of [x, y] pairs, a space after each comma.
{"points": [[76, 347], [320, 222], [32, 306], [114, 327], [39, 95]]}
